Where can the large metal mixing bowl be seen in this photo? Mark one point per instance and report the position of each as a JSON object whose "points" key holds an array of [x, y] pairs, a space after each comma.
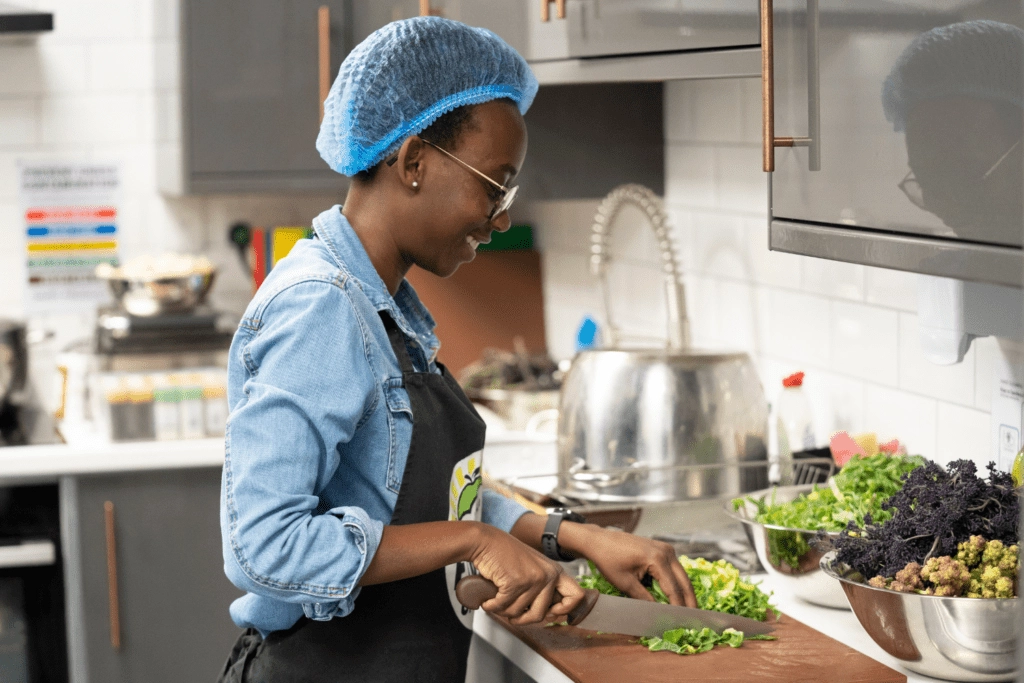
{"points": [[627, 417], [149, 297], [958, 639], [792, 556]]}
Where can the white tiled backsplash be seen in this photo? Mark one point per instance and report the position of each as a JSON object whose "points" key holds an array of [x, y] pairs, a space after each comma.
{"points": [[104, 86], [851, 328]]}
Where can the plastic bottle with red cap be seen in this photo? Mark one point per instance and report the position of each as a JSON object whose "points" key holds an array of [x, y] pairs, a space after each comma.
{"points": [[794, 425]]}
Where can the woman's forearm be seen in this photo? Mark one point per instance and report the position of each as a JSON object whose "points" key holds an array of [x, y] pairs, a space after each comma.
{"points": [[409, 550], [572, 537]]}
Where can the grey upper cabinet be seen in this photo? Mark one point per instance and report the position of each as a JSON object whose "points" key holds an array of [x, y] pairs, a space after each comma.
{"points": [[913, 117], [251, 95], [173, 597], [589, 28]]}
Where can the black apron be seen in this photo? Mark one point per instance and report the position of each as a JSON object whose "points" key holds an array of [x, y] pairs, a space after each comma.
{"points": [[401, 632]]}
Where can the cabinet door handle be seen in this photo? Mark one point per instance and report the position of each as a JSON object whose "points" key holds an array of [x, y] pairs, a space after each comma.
{"points": [[59, 413], [768, 140], [545, 10], [115, 607], [323, 26]]}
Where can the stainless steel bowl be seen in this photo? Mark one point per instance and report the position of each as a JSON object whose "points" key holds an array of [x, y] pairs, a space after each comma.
{"points": [[958, 639], [779, 548], [149, 297]]}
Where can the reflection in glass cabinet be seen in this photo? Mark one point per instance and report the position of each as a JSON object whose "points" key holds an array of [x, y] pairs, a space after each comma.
{"points": [[920, 109]]}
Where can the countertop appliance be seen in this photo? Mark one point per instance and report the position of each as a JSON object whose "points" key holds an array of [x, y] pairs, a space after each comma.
{"points": [[146, 377], [658, 424], [900, 134], [18, 412], [32, 623]]}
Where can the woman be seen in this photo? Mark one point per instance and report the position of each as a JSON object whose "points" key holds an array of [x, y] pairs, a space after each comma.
{"points": [[352, 465]]}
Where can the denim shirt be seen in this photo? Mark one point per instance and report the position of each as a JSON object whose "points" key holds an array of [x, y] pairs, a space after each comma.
{"points": [[319, 430]]}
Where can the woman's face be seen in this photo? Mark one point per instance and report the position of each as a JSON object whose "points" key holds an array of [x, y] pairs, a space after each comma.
{"points": [[453, 203]]}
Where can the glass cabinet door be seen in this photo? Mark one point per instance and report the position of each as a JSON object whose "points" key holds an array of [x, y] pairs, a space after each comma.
{"points": [[920, 109]]}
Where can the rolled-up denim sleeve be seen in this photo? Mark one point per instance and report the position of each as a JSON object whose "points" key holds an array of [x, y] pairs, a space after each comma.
{"points": [[501, 512], [306, 386]]}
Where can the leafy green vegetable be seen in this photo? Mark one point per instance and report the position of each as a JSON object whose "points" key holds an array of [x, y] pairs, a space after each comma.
{"points": [[690, 641], [857, 492], [859, 489], [595, 580], [718, 586]]}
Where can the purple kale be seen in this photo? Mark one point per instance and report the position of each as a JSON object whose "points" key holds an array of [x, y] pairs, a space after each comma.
{"points": [[935, 511]]}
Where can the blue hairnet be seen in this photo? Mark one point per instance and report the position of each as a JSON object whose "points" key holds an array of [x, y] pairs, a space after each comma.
{"points": [[404, 76], [981, 59]]}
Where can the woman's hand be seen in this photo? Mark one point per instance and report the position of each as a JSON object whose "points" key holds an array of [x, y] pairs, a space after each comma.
{"points": [[625, 559], [526, 580]]}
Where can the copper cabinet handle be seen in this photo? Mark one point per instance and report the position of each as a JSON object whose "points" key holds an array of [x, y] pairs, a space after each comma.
{"points": [[59, 413], [768, 140], [545, 10], [323, 25], [112, 596]]}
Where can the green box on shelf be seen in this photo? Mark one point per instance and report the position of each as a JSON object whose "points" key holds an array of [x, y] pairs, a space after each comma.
{"points": [[518, 237]]}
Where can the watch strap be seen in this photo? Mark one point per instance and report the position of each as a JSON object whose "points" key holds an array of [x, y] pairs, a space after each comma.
{"points": [[549, 538]]}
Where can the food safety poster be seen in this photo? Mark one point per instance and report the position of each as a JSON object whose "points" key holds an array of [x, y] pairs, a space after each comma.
{"points": [[70, 212]]}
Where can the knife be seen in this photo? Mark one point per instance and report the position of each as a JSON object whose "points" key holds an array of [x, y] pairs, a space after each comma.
{"points": [[612, 614]]}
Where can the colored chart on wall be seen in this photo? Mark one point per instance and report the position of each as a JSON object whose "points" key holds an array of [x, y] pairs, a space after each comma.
{"points": [[71, 226]]}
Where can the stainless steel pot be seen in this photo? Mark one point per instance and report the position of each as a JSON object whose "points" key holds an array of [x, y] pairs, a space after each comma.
{"points": [[630, 419]]}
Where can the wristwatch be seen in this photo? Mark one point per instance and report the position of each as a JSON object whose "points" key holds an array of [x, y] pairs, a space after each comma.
{"points": [[549, 539]]}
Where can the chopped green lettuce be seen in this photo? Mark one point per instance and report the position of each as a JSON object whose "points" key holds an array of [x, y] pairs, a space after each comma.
{"points": [[718, 587]]}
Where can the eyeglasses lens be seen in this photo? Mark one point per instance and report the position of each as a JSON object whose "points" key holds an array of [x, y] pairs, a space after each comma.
{"points": [[505, 202]]}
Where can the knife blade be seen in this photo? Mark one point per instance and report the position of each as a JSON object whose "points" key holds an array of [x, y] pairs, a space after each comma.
{"points": [[633, 617], [612, 614]]}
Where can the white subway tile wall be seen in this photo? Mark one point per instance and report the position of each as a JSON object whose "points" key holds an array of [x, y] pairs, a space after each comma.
{"points": [[852, 329], [104, 86]]}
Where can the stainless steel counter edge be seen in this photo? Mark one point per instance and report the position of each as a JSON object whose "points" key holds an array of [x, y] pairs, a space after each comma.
{"points": [[965, 261], [20, 464]]}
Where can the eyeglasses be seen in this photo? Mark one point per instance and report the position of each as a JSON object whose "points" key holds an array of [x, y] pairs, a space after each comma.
{"points": [[505, 195], [911, 187]]}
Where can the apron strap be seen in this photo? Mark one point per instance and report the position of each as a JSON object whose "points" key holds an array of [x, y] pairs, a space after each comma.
{"points": [[397, 340]]}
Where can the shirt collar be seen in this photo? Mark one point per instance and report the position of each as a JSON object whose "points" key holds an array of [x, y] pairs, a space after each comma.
{"points": [[405, 308]]}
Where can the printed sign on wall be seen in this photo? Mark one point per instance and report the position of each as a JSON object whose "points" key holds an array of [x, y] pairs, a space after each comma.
{"points": [[71, 226]]}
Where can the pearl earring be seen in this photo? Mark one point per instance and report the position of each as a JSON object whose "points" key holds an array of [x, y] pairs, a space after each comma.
{"points": [[415, 184]]}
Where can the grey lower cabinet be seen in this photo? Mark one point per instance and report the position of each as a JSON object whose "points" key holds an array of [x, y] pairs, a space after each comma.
{"points": [[171, 590]]}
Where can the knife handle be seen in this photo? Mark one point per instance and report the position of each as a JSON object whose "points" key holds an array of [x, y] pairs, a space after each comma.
{"points": [[474, 590]]}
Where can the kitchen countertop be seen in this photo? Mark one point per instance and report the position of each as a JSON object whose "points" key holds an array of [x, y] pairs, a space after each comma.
{"points": [[841, 625], [43, 463]]}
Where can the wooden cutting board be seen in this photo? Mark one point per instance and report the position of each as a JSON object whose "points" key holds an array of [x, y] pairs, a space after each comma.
{"points": [[799, 654]]}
